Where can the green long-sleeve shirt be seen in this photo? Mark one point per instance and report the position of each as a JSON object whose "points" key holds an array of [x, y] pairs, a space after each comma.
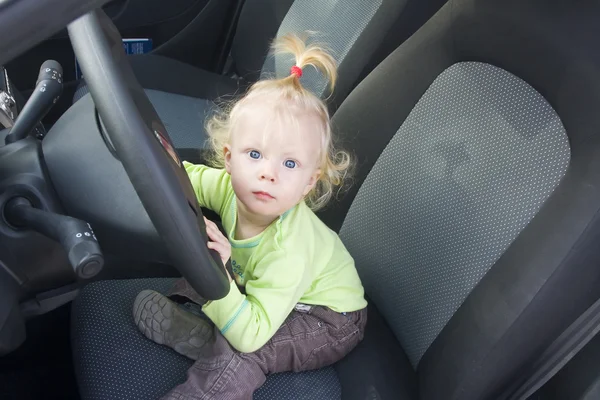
{"points": [[297, 259]]}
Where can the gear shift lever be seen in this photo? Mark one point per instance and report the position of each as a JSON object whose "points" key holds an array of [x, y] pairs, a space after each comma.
{"points": [[47, 91]]}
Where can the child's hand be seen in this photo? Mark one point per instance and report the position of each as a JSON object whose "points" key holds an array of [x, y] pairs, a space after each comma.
{"points": [[218, 242]]}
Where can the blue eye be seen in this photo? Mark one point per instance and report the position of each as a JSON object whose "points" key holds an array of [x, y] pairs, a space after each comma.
{"points": [[254, 154], [290, 163]]}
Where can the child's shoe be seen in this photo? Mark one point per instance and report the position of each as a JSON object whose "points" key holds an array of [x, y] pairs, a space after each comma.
{"points": [[162, 321]]}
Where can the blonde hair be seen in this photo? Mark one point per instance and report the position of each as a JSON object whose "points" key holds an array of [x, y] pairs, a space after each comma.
{"points": [[289, 96]]}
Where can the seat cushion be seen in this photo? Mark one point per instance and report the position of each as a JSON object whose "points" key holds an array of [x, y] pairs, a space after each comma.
{"points": [[467, 170], [113, 360]]}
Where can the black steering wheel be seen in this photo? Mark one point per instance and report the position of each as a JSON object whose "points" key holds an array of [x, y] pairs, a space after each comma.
{"points": [[143, 146]]}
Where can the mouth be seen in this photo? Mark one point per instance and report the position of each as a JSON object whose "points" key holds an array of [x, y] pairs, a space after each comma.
{"points": [[263, 196]]}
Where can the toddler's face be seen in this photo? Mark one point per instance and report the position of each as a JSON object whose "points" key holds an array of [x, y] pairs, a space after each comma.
{"points": [[273, 164]]}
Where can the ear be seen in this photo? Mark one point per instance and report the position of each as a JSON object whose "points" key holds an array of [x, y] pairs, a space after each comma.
{"points": [[314, 178], [227, 157]]}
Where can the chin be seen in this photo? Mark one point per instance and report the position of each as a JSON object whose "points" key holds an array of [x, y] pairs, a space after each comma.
{"points": [[262, 209]]}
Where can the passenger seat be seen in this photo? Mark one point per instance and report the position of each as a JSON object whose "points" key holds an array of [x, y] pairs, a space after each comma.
{"points": [[183, 95]]}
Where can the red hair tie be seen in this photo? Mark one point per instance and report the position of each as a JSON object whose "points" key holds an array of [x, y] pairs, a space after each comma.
{"points": [[296, 70]]}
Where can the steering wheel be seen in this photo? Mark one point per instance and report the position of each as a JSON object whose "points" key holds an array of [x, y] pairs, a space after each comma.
{"points": [[143, 146]]}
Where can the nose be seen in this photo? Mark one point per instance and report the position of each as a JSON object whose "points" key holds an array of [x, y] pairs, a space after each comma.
{"points": [[268, 172]]}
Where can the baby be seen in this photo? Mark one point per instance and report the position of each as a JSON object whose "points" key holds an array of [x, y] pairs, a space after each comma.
{"points": [[295, 302]]}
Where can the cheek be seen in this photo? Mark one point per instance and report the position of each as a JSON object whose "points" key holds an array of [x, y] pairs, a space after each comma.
{"points": [[299, 184], [238, 183], [238, 164]]}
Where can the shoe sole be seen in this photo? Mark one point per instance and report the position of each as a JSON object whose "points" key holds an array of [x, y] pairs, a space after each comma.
{"points": [[163, 322]]}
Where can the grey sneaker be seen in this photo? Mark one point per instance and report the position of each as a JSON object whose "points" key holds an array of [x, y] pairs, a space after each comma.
{"points": [[162, 321]]}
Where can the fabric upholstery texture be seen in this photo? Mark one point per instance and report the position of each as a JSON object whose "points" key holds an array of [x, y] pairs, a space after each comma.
{"points": [[465, 173], [343, 21], [114, 360]]}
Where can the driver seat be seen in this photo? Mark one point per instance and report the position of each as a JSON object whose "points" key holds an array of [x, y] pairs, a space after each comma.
{"points": [[474, 219]]}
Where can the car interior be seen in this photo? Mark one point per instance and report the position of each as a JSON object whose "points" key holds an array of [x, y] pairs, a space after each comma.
{"points": [[473, 214]]}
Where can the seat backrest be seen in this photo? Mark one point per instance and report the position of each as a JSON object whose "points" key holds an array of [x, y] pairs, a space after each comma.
{"points": [[474, 218], [352, 29]]}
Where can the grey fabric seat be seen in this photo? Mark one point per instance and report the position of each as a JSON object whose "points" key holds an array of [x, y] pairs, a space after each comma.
{"points": [[129, 354], [475, 214], [184, 95]]}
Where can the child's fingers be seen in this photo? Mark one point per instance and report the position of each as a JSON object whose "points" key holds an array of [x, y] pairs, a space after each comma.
{"points": [[211, 227], [218, 237], [217, 241], [218, 247], [221, 249], [213, 231], [209, 224], [212, 234]]}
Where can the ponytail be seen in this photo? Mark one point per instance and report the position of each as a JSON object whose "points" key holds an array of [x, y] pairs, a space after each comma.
{"points": [[314, 55]]}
